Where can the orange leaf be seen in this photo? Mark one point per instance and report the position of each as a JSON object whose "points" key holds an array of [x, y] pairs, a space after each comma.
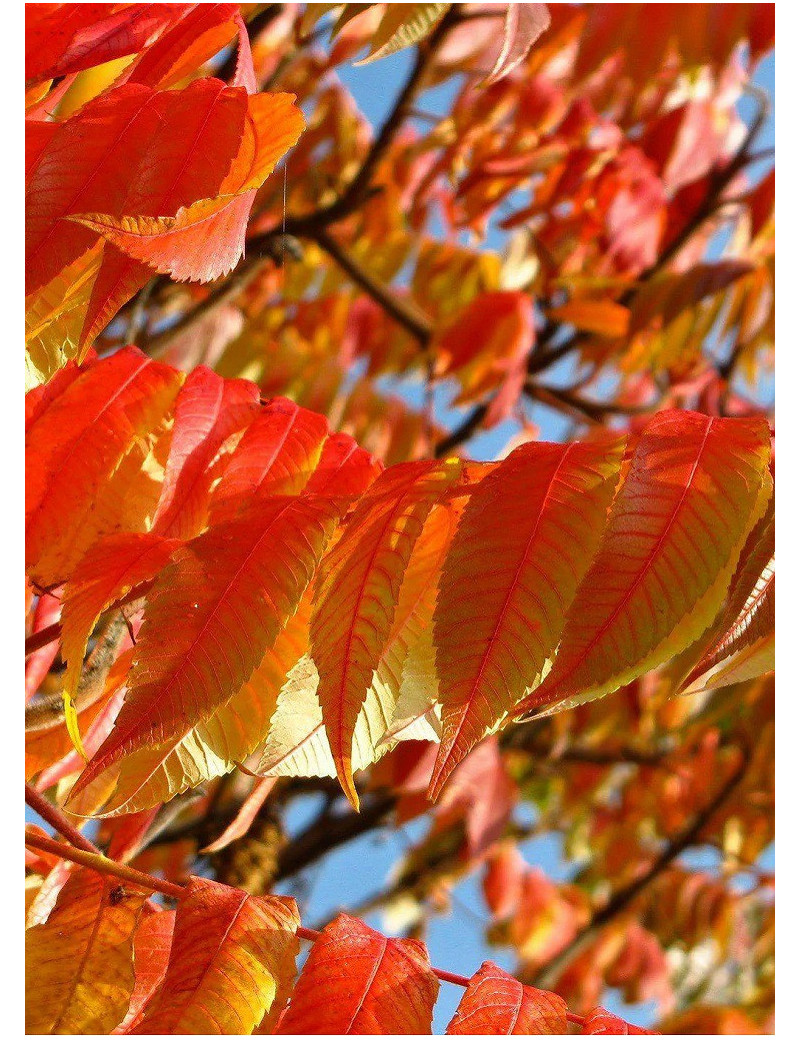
{"points": [[600, 1022], [231, 953], [357, 593], [496, 1003], [166, 176], [523, 543], [151, 946], [208, 411], [233, 588], [84, 452], [276, 456], [487, 344], [79, 963], [105, 575], [64, 38], [358, 981], [695, 487], [603, 317]]}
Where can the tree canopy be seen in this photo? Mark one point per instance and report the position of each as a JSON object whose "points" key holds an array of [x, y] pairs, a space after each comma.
{"points": [[413, 478]]}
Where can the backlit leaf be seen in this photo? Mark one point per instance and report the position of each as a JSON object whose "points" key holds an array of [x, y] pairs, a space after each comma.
{"points": [[524, 541], [79, 963], [358, 981], [403, 25], [151, 946], [208, 411], [84, 460], [695, 487], [230, 954], [234, 589], [496, 1003], [356, 596]]}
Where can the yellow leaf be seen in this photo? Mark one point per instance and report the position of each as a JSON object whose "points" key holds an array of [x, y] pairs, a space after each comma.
{"points": [[79, 963]]}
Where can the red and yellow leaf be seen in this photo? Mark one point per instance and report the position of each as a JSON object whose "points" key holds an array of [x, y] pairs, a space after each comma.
{"points": [[524, 541], [85, 454], [233, 588], [107, 573], [151, 946], [357, 592], [230, 955], [695, 487], [79, 963], [208, 411]]}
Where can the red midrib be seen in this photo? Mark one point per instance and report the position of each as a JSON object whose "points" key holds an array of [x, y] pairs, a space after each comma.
{"points": [[641, 572]]}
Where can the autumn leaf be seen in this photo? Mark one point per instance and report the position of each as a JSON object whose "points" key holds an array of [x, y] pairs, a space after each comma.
{"points": [[523, 543], [496, 1003], [61, 39], [695, 487], [179, 171], [230, 954], [106, 574], [524, 24], [402, 26], [235, 588], [357, 591], [86, 446], [600, 1022], [351, 982], [151, 946], [79, 963], [208, 411], [743, 638]]}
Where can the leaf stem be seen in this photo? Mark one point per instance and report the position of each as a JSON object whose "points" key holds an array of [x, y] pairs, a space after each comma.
{"points": [[103, 865]]}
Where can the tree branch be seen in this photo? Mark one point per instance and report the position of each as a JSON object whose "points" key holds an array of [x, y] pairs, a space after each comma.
{"points": [[623, 897], [404, 312]]}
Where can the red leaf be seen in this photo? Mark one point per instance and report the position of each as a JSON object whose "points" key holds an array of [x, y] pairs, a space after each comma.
{"points": [[151, 946], [276, 456], [208, 411], [523, 543], [524, 24], [600, 1022], [166, 176], [104, 413], [231, 955], [248, 811], [358, 981], [64, 38], [695, 488], [497, 1003], [482, 793], [234, 588]]}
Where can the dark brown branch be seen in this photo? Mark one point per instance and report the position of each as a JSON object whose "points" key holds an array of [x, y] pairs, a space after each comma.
{"points": [[623, 897], [312, 224], [329, 832], [404, 312], [463, 431]]}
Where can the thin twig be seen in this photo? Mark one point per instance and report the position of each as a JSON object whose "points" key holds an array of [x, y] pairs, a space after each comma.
{"points": [[547, 975], [52, 814], [404, 312]]}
